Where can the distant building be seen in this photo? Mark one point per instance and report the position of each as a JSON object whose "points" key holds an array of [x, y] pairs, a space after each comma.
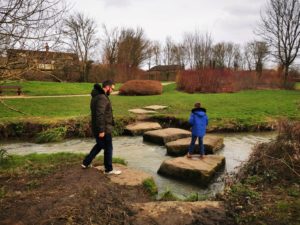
{"points": [[42, 65], [167, 68], [41, 60], [164, 72]]}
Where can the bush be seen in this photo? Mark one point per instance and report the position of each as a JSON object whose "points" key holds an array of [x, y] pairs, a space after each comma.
{"points": [[206, 80], [226, 80], [141, 87], [278, 160]]}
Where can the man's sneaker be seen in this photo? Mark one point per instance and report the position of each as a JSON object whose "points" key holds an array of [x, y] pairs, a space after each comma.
{"points": [[188, 155], [85, 167], [115, 172]]}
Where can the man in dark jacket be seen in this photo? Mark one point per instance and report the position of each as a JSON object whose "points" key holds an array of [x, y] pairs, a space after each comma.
{"points": [[102, 126]]}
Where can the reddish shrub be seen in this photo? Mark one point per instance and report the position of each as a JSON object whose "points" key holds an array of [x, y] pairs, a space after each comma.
{"points": [[226, 80], [206, 80], [141, 87], [270, 79]]}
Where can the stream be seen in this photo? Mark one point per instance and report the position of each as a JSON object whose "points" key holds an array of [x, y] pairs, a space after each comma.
{"points": [[148, 157]]}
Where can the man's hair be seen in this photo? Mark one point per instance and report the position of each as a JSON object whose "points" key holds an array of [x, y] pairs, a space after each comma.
{"points": [[197, 105], [107, 83]]}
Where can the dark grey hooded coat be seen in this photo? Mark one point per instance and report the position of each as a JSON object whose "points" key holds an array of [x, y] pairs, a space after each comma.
{"points": [[101, 110]]}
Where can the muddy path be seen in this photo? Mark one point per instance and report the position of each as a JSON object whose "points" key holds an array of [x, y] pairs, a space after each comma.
{"points": [[71, 195]]}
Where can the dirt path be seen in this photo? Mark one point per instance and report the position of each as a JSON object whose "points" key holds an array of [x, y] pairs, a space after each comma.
{"points": [[72, 195]]}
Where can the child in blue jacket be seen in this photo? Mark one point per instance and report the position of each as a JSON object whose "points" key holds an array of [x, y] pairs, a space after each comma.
{"points": [[199, 121]]}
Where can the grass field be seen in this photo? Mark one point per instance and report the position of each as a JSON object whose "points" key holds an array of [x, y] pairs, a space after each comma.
{"points": [[245, 107], [35, 88]]}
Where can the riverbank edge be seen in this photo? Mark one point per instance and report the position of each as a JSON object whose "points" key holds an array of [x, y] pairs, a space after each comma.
{"points": [[80, 127]]}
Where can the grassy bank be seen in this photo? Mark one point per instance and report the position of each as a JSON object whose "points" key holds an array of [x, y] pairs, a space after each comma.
{"points": [[245, 107], [266, 190], [42, 164]]}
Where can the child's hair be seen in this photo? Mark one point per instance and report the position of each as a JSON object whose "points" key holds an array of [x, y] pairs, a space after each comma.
{"points": [[197, 105]]}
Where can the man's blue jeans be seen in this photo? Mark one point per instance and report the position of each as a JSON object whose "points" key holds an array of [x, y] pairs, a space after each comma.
{"points": [[101, 143], [201, 145]]}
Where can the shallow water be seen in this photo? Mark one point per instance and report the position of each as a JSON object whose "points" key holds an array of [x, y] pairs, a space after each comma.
{"points": [[148, 157]]}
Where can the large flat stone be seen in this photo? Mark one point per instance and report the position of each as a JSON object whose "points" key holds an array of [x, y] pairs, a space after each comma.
{"points": [[180, 147], [128, 177], [178, 213], [141, 127], [164, 136], [155, 107], [194, 170], [141, 111]]}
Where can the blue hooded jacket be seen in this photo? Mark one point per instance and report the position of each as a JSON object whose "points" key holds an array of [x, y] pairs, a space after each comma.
{"points": [[199, 121]]}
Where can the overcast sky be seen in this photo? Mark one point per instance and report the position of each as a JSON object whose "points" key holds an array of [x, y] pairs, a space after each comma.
{"points": [[226, 20]]}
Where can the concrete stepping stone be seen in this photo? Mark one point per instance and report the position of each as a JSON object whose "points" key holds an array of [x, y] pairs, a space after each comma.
{"points": [[155, 107], [193, 170], [178, 213], [141, 127], [128, 177], [164, 136], [141, 111], [180, 147]]}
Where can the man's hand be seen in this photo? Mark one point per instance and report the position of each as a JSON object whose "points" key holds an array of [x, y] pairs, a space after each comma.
{"points": [[101, 135]]}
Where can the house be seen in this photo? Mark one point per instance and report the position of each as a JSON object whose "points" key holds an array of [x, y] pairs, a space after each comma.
{"points": [[164, 72], [42, 65], [41, 60]]}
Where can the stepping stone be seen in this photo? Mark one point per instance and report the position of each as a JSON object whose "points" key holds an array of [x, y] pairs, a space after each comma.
{"points": [[180, 147], [128, 177], [141, 128], [194, 170], [155, 107], [178, 213], [141, 111], [164, 136]]}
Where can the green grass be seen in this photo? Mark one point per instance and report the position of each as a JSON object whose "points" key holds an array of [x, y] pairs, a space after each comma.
{"points": [[150, 186], [297, 86], [51, 135], [43, 164], [245, 107], [36, 88]]}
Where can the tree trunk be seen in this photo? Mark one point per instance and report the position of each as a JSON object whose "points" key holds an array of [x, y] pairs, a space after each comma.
{"points": [[286, 73]]}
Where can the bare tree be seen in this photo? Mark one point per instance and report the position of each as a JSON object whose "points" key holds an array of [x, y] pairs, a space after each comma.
{"points": [[189, 46], [156, 47], [110, 45], [237, 57], [219, 55], [202, 50], [167, 51], [80, 37], [132, 47], [280, 28], [150, 54], [248, 57], [28, 24]]}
